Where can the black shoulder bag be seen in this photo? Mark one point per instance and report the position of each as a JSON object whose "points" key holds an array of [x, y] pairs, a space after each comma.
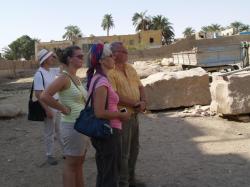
{"points": [[35, 111]]}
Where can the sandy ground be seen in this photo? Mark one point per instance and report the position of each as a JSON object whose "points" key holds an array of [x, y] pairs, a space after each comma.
{"points": [[174, 152]]}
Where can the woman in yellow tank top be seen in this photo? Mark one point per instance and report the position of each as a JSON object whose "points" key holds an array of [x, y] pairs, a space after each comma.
{"points": [[71, 102]]}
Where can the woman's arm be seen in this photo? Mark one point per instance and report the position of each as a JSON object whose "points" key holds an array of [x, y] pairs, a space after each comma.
{"points": [[59, 84], [100, 96], [48, 112]]}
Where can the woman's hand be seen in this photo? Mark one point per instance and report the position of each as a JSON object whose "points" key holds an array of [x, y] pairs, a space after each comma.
{"points": [[140, 106], [66, 110], [125, 116]]}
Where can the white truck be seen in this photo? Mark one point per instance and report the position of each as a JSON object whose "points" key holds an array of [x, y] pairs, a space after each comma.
{"points": [[215, 58]]}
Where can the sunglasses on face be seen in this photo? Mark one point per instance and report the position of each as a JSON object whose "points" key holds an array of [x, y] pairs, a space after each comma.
{"points": [[79, 56]]}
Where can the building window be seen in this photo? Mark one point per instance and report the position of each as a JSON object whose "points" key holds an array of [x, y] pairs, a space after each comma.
{"points": [[151, 40], [131, 42]]}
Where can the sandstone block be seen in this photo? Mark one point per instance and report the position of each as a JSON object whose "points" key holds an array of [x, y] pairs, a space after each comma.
{"points": [[9, 110], [144, 69], [167, 62], [231, 94], [166, 90]]}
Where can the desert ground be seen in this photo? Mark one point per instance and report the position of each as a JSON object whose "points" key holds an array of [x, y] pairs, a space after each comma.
{"points": [[174, 151]]}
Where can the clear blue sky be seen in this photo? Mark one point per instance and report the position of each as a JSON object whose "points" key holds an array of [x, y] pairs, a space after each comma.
{"points": [[47, 19]]}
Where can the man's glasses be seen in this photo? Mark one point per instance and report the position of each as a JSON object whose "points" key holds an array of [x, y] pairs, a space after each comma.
{"points": [[79, 56], [111, 56]]}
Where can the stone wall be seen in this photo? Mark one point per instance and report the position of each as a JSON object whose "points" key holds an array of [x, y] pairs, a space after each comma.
{"points": [[187, 44], [12, 69]]}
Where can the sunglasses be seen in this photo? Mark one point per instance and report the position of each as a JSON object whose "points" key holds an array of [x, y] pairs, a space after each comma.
{"points": [[79, 56]]}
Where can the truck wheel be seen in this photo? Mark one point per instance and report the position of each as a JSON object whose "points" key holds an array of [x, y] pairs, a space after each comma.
{"points": [[236, 67]]}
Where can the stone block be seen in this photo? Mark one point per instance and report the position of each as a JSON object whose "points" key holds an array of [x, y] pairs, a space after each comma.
{"points": [[231, 94], [166, 90], [9, 111]]}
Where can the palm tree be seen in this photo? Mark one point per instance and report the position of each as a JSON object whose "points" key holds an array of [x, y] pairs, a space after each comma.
{"points": [[236, 25], [107, 23], [211, 28], [189, 31], [141, 21], [215, 27], [161, 22], [72, 33], [205, 29]]}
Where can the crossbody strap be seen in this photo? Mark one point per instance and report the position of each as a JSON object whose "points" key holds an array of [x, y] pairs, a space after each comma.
{"points": [[65, 73], [91, 94], [32, 87]]}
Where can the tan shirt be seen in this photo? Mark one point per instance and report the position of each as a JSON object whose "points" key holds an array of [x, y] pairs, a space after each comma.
{"points": [[126, 85]]}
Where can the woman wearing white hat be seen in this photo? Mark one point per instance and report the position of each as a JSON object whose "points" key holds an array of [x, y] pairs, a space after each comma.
{"points": [[44, 76]]}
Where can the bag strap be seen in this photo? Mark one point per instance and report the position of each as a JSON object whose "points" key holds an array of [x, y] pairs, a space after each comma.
{"points": [[65, 73], [91, 94], [32, 87]]}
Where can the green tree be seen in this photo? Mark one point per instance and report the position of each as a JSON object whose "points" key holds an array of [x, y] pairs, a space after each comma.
{"points": [[107, 23], [72, 33], [205, 29], [215, 27], [141, 21], [161, 22], [23, 47], [211, 28], [244, 28], [189, 31], [236, 25]]}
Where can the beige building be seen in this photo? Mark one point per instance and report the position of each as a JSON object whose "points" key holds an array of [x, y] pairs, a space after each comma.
{"points": [[140, 40], [212, 35], [228, 32]]}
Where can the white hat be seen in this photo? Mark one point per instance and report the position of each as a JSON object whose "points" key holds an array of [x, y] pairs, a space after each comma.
{"points": [[43, 55]]}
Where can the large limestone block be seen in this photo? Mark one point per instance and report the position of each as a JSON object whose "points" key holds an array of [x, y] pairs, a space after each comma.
{"points": [[9, 110], [144, 68], [167, 62], [166, 90], [231, 94]]}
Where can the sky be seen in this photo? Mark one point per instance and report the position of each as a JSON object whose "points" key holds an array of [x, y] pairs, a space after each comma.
{"points": [[46, 20]]}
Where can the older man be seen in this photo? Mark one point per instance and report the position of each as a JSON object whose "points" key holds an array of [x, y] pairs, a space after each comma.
{"points": [[44, 76], [127, 84]]}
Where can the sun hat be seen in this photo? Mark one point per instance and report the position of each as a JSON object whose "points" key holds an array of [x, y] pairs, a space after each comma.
{"points": [[43, 55]]}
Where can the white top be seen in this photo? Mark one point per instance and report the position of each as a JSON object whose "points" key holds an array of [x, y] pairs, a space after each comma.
{"points": [[49, 77]]}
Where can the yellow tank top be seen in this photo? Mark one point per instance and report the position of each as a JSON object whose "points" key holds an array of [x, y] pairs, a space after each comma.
{"points": [[74, 98]]}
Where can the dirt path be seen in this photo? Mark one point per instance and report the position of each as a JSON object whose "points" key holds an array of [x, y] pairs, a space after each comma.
{"points": [[175, 152]]}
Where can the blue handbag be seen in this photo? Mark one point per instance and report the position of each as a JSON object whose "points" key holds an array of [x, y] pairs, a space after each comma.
{"points": [[88, 124]]}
